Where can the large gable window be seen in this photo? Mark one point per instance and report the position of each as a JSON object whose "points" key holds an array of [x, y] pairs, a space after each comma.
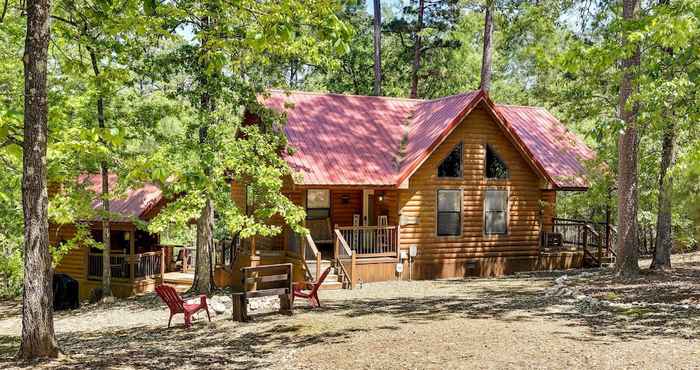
{"points": [[496, 212], [449, 212], [495, 167], [318, 204], [451, 166]]}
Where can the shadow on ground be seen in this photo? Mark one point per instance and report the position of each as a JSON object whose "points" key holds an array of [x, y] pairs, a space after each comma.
{"points": [[224, 344]]}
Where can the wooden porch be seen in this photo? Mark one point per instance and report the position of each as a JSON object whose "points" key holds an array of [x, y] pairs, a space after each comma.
{"points": [[596, 240], [128, 267]]}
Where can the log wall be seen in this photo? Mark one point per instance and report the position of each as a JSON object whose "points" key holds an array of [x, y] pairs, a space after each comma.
{"points": [[472, 252]]}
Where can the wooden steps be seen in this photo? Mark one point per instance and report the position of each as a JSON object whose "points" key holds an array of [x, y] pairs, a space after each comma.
{"points": [[332, 280], [180, 281]]}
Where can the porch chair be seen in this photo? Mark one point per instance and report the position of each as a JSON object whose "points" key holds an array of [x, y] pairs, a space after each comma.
{"points": [[177, 305], [312, 294]]}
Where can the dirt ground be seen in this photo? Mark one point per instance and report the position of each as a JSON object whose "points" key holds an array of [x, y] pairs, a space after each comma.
{"points": [[512, 322]]}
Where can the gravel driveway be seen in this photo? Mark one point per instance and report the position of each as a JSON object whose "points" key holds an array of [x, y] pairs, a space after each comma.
{"points": [[499, 323]]}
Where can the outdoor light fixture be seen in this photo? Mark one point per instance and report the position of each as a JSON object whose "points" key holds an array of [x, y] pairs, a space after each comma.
{"points": [[381, 197], [345, 198]]}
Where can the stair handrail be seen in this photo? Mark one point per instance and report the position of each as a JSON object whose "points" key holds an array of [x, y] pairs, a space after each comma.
{"points": [[312, 245], [347, 273]]}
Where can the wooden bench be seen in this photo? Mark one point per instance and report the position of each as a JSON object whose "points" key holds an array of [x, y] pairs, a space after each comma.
{"points": [[264, 281]]}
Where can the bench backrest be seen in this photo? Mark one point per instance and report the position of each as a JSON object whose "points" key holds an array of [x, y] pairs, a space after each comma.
{"points": [[171, 298], [267, 280]]}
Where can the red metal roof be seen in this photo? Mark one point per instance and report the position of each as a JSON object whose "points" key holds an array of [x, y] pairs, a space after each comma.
{"points": [[561, 153], [135, 204], [379, 141]]}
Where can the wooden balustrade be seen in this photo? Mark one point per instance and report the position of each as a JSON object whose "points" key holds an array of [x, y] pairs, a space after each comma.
{"points": [[129, 266], [571, 234], [371, 241], [345, 259]]}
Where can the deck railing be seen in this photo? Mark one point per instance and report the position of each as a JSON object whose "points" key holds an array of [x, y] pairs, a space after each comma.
{"points": [[128, 266], [595, 238], [148, 265], [371, 241]]}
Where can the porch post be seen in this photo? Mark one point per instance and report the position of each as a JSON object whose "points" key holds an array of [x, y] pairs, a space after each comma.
{"points": [[336, 242], [162, 264], [353, 264], [132, 252], [398, 239]]}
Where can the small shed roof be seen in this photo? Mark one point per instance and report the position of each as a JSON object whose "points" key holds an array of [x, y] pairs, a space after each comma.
{"points": [[137, 203], [380, 141]]}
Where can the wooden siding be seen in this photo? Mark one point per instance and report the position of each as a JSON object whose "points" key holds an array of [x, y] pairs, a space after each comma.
{"points": [[342, 213], [73, 264], [419, 201], [549, 202], [238, 195]]}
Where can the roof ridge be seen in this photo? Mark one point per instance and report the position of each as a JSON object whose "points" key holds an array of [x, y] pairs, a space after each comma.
{"points": [[451, 96], [346, 95], [520, 106]]}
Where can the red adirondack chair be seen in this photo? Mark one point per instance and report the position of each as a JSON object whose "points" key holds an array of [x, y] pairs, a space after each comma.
{"points": [[312, 294], [177, 305]]}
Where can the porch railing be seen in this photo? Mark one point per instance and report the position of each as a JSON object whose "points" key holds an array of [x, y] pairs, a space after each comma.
{"points": [[371, 241], [309, 252], [148, 265], [345, 260], [595, 238], [128, 266]]}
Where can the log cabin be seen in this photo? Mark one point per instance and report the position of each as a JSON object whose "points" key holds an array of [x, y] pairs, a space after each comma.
{"points": [[423, 189], [137, 263]]}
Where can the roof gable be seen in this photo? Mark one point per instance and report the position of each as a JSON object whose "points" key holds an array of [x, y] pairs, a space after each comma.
{"points": [[378, 141]]}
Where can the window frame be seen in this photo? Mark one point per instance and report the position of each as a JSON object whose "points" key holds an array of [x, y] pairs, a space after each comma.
{"points": [[461, 163], [506, 211], [306, 203], [460, 213], [495, 153]]}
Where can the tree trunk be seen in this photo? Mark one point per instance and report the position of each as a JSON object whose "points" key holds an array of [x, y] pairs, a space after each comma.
{"points": [[104, 169], [38, 338], [664, 219], [627, 263], [417, 51], [377, 48], [487, 53], [664, 239], [203, 270]]}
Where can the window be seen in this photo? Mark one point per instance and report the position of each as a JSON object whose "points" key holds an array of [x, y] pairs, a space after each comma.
{"points": [[318, 204], [449, 212], [495, 167], [496, 212], [451, 166]]}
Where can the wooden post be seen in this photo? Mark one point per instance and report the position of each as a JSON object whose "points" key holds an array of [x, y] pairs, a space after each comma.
{"points": [[318, 265], [352, 270], [132, 252], [162, 264], [337, 242], [239, 310], [398, 240], [600, 251]]}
